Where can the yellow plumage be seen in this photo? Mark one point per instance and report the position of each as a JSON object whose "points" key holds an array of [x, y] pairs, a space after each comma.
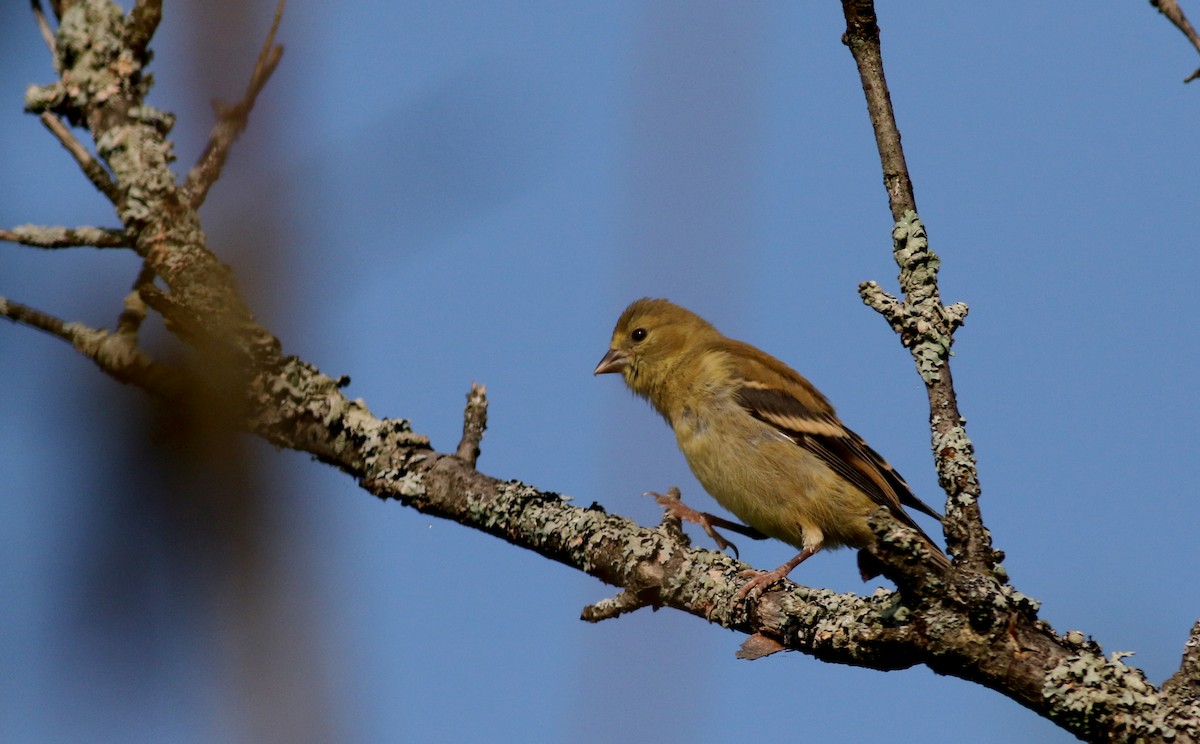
{"points": [[760, 438]]}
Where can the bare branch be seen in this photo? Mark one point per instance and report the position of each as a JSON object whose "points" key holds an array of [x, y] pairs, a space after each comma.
{"points": [[43, 25], [232, 120], [95, 172], [862, 36], [39, 236], [474, 424], [1171, 9]]}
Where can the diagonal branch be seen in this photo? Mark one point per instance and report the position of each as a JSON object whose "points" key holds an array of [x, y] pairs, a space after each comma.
{"points": [[862, 36], [143, 22], [43, 25], [232, 120], [116, 354], [91, 167], [1171, 9]]}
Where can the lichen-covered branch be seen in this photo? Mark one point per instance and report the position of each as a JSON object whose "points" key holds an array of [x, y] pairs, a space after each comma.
{"points": [[39, 236], [926, 327], [1184, 684], [102, 87], [968, 622], [116, 354], [474, 424]]}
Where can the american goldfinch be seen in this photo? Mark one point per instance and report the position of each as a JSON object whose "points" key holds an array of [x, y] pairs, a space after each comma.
{"points": [[760, 438]]}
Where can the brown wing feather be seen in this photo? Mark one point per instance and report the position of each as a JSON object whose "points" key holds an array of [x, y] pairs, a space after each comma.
{"points": [[799, 410]]}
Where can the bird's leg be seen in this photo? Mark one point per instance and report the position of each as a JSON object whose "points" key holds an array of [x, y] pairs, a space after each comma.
{"points": [[760, 580], [672, 502]]}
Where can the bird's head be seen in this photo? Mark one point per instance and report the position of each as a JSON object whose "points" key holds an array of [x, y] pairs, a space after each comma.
{"points": [[651, 340]]}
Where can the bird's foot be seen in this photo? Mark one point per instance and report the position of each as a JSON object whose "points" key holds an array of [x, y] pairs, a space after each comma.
{"points": [[673, 503], [758, 581]]}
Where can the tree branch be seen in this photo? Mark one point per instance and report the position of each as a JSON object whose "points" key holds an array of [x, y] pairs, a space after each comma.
{"points": [[925, 326], [116, 354], [968, 622], [39, 236], [1184, 684], [91, 167], [1171, 9], [232, 120], [43, 25], [862, 36], [143, 22], [474, 424]]}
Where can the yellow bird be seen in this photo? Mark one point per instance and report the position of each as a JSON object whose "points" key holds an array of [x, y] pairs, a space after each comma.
{"points": [[760, 438]]}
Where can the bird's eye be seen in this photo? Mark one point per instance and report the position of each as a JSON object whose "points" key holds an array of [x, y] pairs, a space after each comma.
{"points": [[639, 334]]}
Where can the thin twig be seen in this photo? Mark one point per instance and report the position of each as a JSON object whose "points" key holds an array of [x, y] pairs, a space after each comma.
{"points": [[862, 36], [44, 25], [41, 236], [91, 167], [474, 424], [116, 354], [232, 120], [129, 322], [1171, 9], [611, 607], [925, 326]]}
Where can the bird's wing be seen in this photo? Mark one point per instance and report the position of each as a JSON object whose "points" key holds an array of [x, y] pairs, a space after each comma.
{"points": [[799, 411]]}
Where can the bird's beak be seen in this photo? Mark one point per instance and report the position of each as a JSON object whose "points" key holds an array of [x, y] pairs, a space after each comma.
{"points": [[614, 361]]}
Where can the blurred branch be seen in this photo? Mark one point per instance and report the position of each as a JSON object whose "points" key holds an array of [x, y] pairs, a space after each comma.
{"points": [[143, 22], [43, 25], [969, 623], [232, 120], [116, 354], [39, 236], [1171, 9], [91, 167]]}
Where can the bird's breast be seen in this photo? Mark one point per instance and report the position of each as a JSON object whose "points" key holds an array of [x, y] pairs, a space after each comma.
{"points": [[769, 481]]}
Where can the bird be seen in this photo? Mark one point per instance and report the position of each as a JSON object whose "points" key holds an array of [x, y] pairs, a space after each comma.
{"points": [[760, 438]]}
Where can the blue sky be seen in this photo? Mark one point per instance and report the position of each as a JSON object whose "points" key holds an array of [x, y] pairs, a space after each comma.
{"points": [[432, 193]]}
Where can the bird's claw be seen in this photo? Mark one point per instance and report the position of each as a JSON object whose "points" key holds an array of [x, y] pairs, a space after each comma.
{"points": [[672, 502], [757, 582], [760, 580]]}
